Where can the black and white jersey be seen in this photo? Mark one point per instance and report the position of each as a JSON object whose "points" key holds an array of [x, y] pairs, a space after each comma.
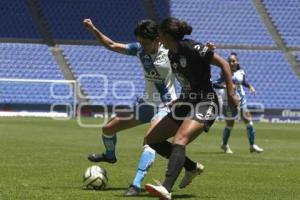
{"points": [[191, 66]]}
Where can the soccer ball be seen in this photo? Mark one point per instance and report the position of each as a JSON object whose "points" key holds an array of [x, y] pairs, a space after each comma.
{"points": [[95, 177]]}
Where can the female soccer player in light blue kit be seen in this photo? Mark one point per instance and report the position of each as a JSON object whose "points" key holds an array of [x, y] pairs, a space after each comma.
{"points": [[238, 77], [159, 91]]}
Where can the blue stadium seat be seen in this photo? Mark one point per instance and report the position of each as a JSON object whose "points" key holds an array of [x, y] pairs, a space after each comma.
{"points": [[297, 54], [16, 20], [258, 64], [226, 22], [95, 60], [28, 61], [285, 15], [65, 18], [277, 84]]}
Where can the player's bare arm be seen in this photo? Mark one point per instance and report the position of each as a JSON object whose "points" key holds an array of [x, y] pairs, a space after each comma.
{"points": [[252, 90], [103, 39], [220, 62]]}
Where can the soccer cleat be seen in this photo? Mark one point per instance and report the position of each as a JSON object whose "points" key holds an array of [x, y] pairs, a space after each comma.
{"points": [[133, 191], [190, 175], [256, 149], [101, 158], [226, 149], [158, 191]]}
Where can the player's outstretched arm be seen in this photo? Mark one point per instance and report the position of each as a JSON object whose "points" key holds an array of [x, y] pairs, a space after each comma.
{"points": [[252, 89], [220, 62], [103, 39], [248, 85]]}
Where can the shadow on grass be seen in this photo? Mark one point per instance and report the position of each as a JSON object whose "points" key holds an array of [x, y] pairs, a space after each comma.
{"points": [[175, 196], [143, 193], [214, 152]]}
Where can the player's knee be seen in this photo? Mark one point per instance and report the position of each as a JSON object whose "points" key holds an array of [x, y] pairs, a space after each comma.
{"points": [[147, 140], [230, 123], [107, 130], [181, 140]]}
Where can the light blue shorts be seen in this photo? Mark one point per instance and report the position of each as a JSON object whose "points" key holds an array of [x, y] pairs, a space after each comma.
{"points": [[146, 113], [233, 112]]}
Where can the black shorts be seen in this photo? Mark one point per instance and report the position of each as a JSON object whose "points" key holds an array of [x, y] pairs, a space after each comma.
{"points": [[202, 108]]}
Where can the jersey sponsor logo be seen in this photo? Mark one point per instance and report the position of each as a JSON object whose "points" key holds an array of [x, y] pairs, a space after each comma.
{"points": [[161, 59], [209, 113], [197, 47], [203, 51], [175, 65], [146, 60], [153, 76], [182, 61], [199, 116]]}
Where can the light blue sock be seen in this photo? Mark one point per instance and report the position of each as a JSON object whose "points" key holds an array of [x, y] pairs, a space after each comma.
{"points": [[226, 134], [110, 145], [146, 160], [251, 133]]}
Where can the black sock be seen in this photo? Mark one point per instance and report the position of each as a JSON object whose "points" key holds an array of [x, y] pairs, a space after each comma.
{"points": [[165, 148], [175, 165]]}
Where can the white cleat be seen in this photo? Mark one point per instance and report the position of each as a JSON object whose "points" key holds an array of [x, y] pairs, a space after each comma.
{"points": [[256, 149], [226, 149], [158, 191], [190, 175]]}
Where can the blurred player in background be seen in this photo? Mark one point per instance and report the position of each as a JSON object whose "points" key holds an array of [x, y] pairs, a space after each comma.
{"points": [[239, 79], [196, 108], [159, 91]]}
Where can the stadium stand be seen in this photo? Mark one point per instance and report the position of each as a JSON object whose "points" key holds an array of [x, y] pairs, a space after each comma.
{"points": [[228, 22], [94, 62], [65, 18], [257, 64], [33, 93], [225, 22], [29, 61], [286, 16], [16, 20], [297, 54], [32, 61], [277, 84]]}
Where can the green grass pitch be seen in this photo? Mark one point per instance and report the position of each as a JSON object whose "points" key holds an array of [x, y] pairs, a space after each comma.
{"points": [[44, 159]]}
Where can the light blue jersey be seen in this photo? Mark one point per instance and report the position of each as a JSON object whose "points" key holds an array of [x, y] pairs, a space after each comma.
{"points": [[238, 78], [159, 80], [159, 83]]}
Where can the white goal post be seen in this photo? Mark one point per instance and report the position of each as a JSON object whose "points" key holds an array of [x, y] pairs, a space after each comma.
{"points": [[37, 92]]}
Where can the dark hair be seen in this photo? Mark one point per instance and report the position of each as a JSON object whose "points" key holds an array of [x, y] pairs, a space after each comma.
{"points": [[233, 54], [147, 29], [175, 28], [238, 67]]}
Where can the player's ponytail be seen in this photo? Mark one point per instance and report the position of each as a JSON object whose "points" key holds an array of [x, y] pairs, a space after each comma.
{"points": [[175, 28], [185, 28]]}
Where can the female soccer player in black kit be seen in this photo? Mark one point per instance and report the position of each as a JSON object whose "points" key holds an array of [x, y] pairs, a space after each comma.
{"points": [[196, 108]]}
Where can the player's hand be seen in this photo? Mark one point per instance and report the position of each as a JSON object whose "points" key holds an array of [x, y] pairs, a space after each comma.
{"points": [[211, 46], [252, 90], [233, 101], [88, 23], [233, 86]]}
